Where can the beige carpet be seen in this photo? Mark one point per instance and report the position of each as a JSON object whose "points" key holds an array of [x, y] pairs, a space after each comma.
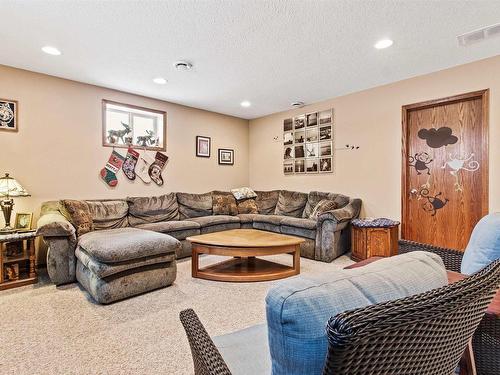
{"points": [[49, 330]]}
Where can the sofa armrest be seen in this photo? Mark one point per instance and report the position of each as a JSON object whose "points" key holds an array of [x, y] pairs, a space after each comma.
{"points": [[344, 214], [54, 224]]}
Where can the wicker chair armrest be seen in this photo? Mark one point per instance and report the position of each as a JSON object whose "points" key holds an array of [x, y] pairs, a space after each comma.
{"points": [[207, 359], [452, 258]]}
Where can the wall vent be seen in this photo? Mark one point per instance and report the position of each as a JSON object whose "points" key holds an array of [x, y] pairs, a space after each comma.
{"points": [[477, 36]]}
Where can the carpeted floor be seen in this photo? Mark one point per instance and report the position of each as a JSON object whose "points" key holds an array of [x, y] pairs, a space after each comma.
{"points": [[49, 330]]}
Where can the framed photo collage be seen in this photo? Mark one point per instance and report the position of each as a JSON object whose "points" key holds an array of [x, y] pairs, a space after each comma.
{"points": [[308, 143]]}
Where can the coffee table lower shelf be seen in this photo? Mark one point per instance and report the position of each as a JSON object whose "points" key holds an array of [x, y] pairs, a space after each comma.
{"points": [[245, 269]]}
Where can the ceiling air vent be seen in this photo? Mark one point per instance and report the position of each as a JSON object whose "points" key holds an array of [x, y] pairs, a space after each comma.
{"points": [[297, 104], [183, 65], [479, 35]]}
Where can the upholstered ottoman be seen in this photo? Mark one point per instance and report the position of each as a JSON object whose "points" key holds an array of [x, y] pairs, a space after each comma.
{"points": [[118, 263]]}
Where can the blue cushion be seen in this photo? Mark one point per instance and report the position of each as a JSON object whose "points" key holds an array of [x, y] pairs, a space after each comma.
{"points": [[484, 245], [299, 308]]}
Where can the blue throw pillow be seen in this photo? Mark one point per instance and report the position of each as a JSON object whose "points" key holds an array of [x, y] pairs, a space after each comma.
{"points": [[298, 309], [484, 245]]}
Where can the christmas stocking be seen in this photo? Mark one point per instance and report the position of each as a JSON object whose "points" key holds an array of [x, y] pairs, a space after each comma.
{"points": [[142, 167], [156, 168], [129, 163], [108, 173]]}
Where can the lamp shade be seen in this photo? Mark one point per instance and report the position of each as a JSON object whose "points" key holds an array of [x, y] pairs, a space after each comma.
{"points": [[9, 187]]}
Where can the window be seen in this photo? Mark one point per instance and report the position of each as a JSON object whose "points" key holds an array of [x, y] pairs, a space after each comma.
{"points": [[127, 125]]}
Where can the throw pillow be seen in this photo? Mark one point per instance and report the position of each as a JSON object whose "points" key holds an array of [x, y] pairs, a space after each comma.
{"points": [[224, 205], [484, 245], [243, 193], [248, 206], [323, 206], [78, 213]]}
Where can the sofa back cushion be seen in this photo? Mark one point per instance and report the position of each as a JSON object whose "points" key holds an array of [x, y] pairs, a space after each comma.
{"points": [[298, 309], [484, 245], [78, 213], [194, 205], [143, 210], [291, 203], [266, 201], [314, 197], [109, 214], [224, 204]]}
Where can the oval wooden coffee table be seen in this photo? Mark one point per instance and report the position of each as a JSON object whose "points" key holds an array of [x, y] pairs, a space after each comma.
{"points": [[244, 245]]}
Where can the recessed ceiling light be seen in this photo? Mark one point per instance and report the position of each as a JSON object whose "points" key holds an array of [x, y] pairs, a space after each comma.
{"points": [[51, 50], [245, 103], [159, 80], [183, 65], [384, 43]]}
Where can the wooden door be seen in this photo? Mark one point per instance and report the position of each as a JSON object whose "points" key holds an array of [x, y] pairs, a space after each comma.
{"points": [[445, 169]]}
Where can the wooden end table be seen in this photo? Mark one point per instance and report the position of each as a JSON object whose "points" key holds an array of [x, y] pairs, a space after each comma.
{"points": [[17, 259], [244, 246]]}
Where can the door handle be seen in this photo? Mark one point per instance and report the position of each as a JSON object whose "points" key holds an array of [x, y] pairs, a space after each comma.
{"points": [[413, 192]]}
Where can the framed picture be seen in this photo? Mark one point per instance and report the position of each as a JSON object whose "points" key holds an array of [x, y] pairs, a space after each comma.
{"points": [[300, 166], [288, 167], [325, 133], [203, 146], [325, 165], [299, 122], [325, 149], [287, 124], [8, 115], [312, 165], [226, 156], [288, 153], [288, 138], [312, 119], [23, 221]]}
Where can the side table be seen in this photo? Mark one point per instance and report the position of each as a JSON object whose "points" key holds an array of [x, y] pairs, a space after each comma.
{"points": [[17, 259], [378, 237]]}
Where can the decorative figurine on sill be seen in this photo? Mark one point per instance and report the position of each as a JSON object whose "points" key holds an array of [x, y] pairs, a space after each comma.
{"points": [[115, 135]]}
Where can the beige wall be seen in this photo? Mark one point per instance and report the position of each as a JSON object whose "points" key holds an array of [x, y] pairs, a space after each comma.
{"points": [[372, 120], [57, 152]]}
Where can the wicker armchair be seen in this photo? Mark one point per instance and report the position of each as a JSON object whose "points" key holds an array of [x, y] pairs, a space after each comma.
{"points": [[425, 334], [486, 340]]}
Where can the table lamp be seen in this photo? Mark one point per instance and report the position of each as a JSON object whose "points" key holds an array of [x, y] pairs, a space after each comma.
{"points": [[9, 188]]}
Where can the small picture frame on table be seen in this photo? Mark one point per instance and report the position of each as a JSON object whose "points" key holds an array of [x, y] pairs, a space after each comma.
{"points": [[23, 221], [203, 146], [226, 156]]}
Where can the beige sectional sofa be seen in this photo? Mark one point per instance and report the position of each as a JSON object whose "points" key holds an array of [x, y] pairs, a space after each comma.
{"points": [[181, 215]]}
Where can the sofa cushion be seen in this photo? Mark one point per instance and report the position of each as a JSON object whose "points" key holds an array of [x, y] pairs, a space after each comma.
{"points": [[247, 218], [314, 197], [298, 308], [177, 229], [119, 245], [224, 204], [291, 203], [78, 213], [152, 209], [484, 245], [299, 227], [266, 201], [207, 221], [270, 223], [323, 206], [247, 206], [108, 214], [194, 205], [246, 352], [107, 269]]}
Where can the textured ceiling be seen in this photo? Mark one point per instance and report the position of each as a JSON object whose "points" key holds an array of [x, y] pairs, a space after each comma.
{"points": [[269, 52]]}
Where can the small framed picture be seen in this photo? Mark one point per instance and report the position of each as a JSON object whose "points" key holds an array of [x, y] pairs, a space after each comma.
{"points": [[23, 221], [8, 115], [325, 149], [325, 165], [299, 137], [11, 272], [288, 138], [325, 133], [300, 166], [312, 150], [203, 146], [312, 119], [299, 122], [226, 156], [312, 165], [288, 153], [288, 167], [325, 117], [287, 124], [312, 135], [299, 151]]}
